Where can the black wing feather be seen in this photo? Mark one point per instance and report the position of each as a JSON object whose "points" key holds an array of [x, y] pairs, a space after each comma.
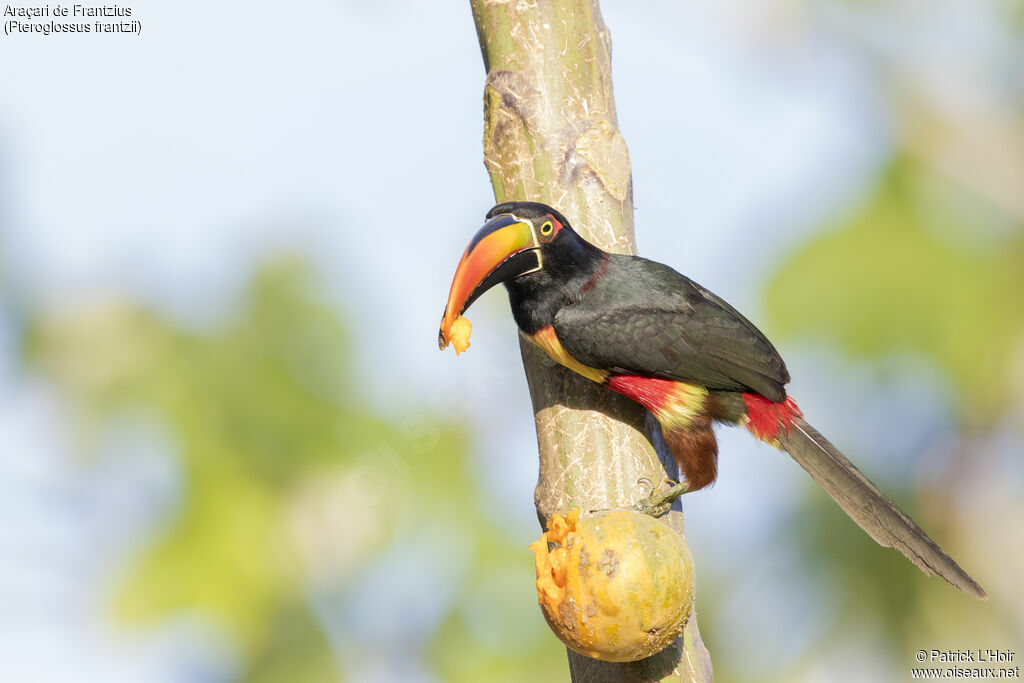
{"points": [[642, 317]]}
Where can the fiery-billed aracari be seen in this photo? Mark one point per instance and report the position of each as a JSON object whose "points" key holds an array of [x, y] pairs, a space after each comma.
{"points": [[643, 330]]}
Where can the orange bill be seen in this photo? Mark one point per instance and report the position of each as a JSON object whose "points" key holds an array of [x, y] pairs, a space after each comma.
{"points": [[505, 247]]}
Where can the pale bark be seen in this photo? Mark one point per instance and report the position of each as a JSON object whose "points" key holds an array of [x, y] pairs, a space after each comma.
{"points": [[551, 135]]}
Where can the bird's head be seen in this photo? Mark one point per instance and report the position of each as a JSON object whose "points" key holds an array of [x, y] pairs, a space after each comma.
{"points": [[519, 238]]}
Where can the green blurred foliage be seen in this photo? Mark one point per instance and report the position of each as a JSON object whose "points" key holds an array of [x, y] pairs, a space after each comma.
{"points": [[912, 271], [879, 587], [296, 650], [293, 488]]}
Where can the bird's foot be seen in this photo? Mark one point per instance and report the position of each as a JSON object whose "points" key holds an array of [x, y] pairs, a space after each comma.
{"points": [[658, 504]]}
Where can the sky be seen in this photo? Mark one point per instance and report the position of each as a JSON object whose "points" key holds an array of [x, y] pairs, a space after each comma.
{"points": [[163, 166]]}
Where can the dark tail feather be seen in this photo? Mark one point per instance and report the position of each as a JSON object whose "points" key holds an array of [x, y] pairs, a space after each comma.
{"points": [[869, 507]]}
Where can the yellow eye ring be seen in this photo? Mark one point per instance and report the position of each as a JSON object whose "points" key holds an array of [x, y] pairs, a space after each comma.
{"points": [[546, 229]]}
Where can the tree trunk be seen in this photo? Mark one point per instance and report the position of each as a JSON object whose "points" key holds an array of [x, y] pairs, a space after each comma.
{"points": [[551, 135]]}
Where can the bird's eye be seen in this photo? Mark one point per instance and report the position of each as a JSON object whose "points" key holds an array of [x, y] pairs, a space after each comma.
{"points": [[546, 229]]}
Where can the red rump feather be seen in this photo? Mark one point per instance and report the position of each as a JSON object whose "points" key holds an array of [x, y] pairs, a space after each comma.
{"points": [[766, 419], [650, 392]]}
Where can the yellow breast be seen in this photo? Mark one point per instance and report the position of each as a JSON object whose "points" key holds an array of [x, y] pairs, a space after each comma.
{"points": [[548, 340]]}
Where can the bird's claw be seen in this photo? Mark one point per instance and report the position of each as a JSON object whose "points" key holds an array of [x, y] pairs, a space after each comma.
{"points": [[658, 504]]}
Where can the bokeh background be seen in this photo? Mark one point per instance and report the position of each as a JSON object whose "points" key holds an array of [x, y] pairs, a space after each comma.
{"points": [[229, 447]]}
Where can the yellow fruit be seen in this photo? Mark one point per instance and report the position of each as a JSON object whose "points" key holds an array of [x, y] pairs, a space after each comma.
{"points": [[616, 585], [459, 334]]}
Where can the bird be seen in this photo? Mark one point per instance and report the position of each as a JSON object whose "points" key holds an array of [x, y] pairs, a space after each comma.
{"points": [[641, 329]]}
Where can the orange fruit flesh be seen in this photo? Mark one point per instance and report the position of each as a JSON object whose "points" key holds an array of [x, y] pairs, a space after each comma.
{"points": [[459, 334], [616, 585]]}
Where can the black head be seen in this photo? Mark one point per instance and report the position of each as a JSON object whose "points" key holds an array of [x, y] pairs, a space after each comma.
{"points": [[531, 210], [521, 242], [563, 251]]}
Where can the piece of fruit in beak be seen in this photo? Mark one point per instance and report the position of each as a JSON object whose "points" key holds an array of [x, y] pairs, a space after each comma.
{"points": [[458, 335]]}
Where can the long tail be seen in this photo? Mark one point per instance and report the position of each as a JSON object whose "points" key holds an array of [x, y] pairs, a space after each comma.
{"points": [[869, 507]]}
